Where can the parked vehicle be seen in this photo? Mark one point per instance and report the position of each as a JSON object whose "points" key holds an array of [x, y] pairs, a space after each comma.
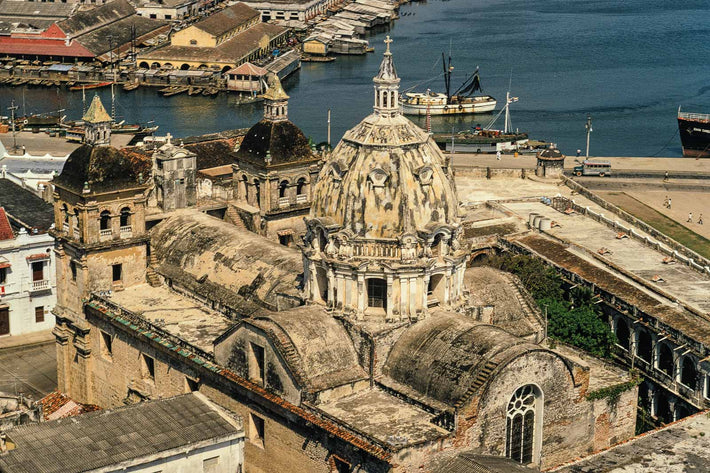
{"points": [[593, 168]]}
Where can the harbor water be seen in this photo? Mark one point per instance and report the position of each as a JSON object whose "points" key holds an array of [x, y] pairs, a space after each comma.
{"points": [[628, 64]]}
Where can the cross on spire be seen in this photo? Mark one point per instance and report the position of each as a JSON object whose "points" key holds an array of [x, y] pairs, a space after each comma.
{"points": [[168, 138], [388, 40]]}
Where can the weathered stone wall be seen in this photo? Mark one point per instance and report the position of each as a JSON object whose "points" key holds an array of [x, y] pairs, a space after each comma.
{"points": [[567, 422], [615, 419], [492, 173], [289, 444], [233, 353]]}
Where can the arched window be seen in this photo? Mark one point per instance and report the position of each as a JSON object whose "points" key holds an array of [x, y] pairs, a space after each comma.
{"points": [[688, 373], [282, 188], [622, 334], [65, 212], [665, 359], [300, 186], [644, 348], [125, 217], [520, 427], [105, 220]]}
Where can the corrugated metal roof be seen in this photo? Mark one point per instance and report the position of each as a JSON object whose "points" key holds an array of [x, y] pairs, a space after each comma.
{"points": [[104, 438]]}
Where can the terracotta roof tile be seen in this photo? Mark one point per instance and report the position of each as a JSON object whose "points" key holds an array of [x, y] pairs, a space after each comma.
{"points": [[5, 228]]}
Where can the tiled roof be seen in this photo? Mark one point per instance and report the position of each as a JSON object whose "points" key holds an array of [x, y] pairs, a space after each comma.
{"points": [[42, 47], [248, 69], [24, 208], [84, 21], [5, 228], [20, 8], [226, 20], [104, 438], [56, 405]]}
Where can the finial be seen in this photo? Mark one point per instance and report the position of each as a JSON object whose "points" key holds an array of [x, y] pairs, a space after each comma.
{"points": [[140, 178], [168, 138], [86, 189], [268, 157], [388, 40]]}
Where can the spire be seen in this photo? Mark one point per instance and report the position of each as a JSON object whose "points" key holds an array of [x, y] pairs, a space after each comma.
{"points": [[97, 124], [96, 112], [387, 86], [275, 100]]}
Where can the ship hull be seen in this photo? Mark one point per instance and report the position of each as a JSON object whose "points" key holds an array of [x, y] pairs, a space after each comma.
{"points": [[449, 109], [694, 130]]}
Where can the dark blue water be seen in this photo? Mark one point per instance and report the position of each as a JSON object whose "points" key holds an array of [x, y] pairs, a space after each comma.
{"points": [[629, 64]]}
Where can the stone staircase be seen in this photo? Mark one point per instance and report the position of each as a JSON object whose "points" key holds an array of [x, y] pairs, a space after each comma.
{"points": [[232, 216], [481, 378], [150, 273]]}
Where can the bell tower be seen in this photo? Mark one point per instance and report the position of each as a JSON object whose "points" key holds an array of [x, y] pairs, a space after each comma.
{"points": [[387, 86], [100, 243], [275, 101]]}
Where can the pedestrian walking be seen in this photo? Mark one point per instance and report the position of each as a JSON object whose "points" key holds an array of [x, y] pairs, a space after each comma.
{"points": [[700, 219], [579, 151], [665, 202], [498, 155], [690, 217], [665, 177], [669, 203]]}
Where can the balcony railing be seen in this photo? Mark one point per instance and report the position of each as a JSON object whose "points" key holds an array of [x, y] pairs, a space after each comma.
{"points": [[284, 202], [301, 198], [39, 285], [65, 227], [76, 233], [105, 233], [126, 230]]}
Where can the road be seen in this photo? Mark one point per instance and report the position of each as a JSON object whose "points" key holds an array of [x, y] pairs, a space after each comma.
{"points": [[30, 370]]}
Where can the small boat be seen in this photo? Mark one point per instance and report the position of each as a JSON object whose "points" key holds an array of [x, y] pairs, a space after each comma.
{"points": [[131, 86], [70, 83], [166, 90], [194, 91], [175, 91], [460, 102], [317, 59], [90, 85]]}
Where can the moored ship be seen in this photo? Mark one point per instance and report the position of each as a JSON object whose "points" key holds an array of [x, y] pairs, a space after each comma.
{"points": [[694, 129], [460, 102]]}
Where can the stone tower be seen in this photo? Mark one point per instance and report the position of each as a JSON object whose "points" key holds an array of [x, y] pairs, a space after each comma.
{"points": [[274, 171], [100, 244], [383, 237], [97, 124]]}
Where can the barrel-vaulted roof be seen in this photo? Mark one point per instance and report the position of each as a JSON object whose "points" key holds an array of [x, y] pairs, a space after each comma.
{"points": [[325, 356], [441, 357]]}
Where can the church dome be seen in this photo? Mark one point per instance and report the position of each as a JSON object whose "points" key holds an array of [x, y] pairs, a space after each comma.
{"points": [[386, 177], [274, 140]]}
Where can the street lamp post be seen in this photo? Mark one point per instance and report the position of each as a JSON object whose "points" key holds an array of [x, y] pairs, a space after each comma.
{"points": [[588, 126]]}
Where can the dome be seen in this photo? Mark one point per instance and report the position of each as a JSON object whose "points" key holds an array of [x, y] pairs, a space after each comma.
{"points": [[386, 177], [104, 168], [274, 140], [283, 140]]}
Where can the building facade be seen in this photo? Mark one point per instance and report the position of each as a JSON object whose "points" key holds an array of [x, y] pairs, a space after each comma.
{"points": [[27, 280], [383, 363]]}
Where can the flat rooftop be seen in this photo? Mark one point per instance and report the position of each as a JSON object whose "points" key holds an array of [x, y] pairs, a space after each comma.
{"points": [[384, 417], [601, 373], [646, 262], [679, 447], [175, 313]]}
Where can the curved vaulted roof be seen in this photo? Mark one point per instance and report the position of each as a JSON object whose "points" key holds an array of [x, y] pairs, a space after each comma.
{"points": [[442, 356]]}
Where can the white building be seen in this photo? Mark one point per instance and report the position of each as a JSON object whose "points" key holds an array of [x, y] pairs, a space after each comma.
{"points": [[27, 273], [301, 10], [168, 9]]}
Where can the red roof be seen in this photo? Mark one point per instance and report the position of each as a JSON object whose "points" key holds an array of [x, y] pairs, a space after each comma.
{"points": [[5, 228], [42, 47], [56, 405]]}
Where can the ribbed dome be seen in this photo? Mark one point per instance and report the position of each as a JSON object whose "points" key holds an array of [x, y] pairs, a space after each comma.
{"points": [[385, 178]]}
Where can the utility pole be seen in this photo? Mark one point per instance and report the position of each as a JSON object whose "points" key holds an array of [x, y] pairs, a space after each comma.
{"points": [[12, 109], [588, 126]]}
